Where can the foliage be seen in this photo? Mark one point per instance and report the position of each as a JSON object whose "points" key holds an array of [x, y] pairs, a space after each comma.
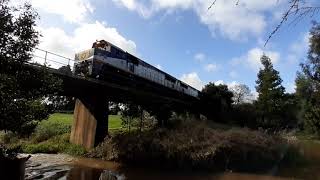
{"points": [[312, 67], [57, 144], [7, 153], [215, 101], [130, 113], [62, 103], [241, 93], [244, 115], [22, 88], [193, 145], [290, 113], [271, 96], [114, 108], [48, 129], [303, 93], [308, 84], [65, 70]]}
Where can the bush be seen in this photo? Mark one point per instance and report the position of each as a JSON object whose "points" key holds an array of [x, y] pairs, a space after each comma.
{"points": [[48, 129], [244, 115], [194, 145], [57, 144], [312, 120], [9, 138]]}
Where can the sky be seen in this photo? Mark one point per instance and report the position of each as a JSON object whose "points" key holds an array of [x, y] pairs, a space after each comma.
{"points": [[182, 37]]}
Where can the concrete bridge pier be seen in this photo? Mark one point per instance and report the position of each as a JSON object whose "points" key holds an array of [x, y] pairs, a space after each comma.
{"points": [[90, 121]]}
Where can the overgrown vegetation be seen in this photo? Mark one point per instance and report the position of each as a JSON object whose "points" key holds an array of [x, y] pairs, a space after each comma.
{"points": [[194, 145], [51, 136]]}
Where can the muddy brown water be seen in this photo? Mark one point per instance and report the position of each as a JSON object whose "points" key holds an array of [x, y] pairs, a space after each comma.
{"points": [[58, 166]]}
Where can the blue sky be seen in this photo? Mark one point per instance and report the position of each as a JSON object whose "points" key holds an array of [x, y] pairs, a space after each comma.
{"points": [[183, 38]]}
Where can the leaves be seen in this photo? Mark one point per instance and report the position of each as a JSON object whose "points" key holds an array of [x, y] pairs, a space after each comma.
{"points": [[22, 89], [308, 83], [270, 102]]}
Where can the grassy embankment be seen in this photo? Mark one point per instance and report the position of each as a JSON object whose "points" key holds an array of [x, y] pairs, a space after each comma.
{"points": [[198, 145], [52, 136], [194, 144]]}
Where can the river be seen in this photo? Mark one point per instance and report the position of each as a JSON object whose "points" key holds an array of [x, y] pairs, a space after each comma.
{"points": [[59, 166]]}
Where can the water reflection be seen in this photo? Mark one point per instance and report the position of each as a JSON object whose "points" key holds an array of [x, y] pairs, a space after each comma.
{"points": [[85, 173], [48, 166]]}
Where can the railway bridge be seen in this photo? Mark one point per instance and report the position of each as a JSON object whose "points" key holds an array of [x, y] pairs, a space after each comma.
{"points": [[90, 119]]}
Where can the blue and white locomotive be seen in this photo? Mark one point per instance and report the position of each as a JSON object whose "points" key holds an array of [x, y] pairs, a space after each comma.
{"points": [[105, 57]]}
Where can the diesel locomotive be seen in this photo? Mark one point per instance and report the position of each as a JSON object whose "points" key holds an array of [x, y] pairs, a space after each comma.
{"points": [[104, 58]]}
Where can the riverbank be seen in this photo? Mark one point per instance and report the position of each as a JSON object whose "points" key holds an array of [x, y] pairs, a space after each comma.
{"points": [[51, 136], [195, 145]]}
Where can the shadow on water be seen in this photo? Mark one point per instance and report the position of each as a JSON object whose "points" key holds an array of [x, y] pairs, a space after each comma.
{"points": [[310, 151], [94, 169], [85, 173]]}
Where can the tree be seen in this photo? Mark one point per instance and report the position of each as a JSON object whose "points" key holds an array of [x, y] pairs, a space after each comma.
{"points": [[114, 108], [308, 83], [130, 113], [62, 103], [312, 67], [241, 93], [22, 88], [215, 100], [271, 93]]}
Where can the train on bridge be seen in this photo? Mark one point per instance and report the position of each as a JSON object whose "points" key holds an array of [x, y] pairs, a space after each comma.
{"points": [[104, 58]]}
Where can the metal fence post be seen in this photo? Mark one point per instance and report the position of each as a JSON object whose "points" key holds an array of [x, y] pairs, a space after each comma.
{"points": [[45, 58]]}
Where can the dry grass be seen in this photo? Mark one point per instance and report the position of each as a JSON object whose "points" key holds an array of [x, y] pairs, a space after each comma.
{"points": [[194, 145]]}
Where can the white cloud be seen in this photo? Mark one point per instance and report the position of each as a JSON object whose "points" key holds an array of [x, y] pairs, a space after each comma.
{"points": [[74, 11], [219, 82], [229, 84], [210, 67], [193, 80], [252, 58], [298, 49], [134, 5], [225, 17], [199, 57], [58, 41], [159, 66]]}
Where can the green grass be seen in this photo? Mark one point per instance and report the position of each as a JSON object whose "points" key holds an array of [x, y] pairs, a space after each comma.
{"points": [[60, 118], [114, 120], [56, 144], [52, 136]]}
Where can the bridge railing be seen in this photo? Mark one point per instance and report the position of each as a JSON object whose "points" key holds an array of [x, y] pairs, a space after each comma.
{"points": [[52, 60]]}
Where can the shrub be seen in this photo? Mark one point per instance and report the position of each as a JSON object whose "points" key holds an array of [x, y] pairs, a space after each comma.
{"points": [[44, 147], [9, 138], [244, 115], [312, 120], [48, 129], [194, 145], [56, 144]]}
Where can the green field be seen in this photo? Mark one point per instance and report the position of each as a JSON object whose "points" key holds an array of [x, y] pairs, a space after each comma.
{"points": [[114, 120]]}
